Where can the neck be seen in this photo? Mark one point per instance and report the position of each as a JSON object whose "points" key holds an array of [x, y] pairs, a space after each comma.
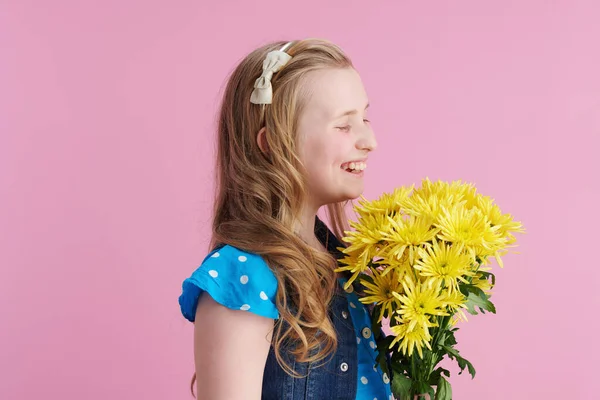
{"points": [[305, 226]]}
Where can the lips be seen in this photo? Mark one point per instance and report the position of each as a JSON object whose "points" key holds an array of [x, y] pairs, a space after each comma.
{"points": [[355, 165]]}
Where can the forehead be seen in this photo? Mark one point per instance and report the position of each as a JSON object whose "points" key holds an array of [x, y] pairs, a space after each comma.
{"points": [[334, 91]]}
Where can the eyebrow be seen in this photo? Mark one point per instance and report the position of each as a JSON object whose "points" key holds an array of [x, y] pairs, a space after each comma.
{"points": [[350, 112]]}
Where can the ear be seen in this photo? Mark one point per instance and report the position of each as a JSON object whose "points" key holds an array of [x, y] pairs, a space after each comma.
{"points": [[261, 139]]}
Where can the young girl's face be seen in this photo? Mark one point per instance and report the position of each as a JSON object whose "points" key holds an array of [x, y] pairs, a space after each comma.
{"points": [[335, 135]]}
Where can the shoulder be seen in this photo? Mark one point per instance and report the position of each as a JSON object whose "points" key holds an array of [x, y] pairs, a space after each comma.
{"points": [[234, 278], [234, 265]]}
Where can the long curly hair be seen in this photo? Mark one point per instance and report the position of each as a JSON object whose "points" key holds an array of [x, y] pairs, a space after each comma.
{"points": [[259, 196]]}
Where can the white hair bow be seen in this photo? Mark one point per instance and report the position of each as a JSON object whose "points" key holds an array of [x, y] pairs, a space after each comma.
{"points": [[263, 90]]}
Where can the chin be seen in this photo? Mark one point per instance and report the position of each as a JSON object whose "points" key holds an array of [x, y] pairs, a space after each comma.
{"points": [[354, 197], [350, 195], [343, 193]]}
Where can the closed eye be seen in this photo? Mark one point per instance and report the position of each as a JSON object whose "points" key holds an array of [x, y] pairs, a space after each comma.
{"points": [[345, 128]]}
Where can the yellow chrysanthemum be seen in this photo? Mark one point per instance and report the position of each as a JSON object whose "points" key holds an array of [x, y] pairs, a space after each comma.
{"points": [[389, 261], [456, 318], [386, 204], [364, 244], [356, 262], [418, 246], [409, 339], [367, 233], [458, 191], [469, 228], [432, 197], [466, 192], [429, 188], [482, 283], [418, 302], [422, 206], [506, 228], [408, 233], [381, 291], [456, 304], [445, 265], [453, 300], [496, 217]]}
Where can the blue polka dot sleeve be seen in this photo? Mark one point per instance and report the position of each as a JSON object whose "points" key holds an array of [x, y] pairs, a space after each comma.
{"points": [[235, 279]]}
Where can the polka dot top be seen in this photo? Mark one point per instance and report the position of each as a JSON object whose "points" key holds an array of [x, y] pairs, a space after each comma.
{"points": [[243, 281]]}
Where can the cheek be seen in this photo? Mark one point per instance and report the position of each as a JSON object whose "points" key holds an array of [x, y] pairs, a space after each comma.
{"points": [[321, 151], [326, 150]]}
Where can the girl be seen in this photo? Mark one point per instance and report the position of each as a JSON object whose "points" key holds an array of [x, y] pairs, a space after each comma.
{"points": [[293, 136]]}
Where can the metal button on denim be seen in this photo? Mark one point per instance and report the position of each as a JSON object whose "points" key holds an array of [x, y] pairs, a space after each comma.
{"points": [[366, 332], [344, 315], [344, 367], [350, 289]]}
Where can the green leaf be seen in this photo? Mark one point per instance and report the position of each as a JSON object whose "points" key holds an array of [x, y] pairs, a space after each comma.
{"points": [[400, 364], [376, 326], [477, 298], [400, 368], [436, 375], [383, 345], [382, 352], [444, 390], [450, 338], [422, 388], [482, 304], [466, 288], [462, 362], [441, 338], [431, 392], [401, 385]]}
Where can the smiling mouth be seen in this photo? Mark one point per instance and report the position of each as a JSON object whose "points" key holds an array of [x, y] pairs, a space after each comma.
{"points": [[354, 167]]}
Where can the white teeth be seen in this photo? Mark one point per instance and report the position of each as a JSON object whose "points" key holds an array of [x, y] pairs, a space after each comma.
{"points": [[355, 166]]}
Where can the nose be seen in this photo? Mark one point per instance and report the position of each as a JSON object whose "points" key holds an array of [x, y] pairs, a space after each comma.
{"points": [[366, 141]]}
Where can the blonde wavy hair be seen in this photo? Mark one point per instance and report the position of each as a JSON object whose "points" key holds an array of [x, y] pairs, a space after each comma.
{"points": [[259, 196]]}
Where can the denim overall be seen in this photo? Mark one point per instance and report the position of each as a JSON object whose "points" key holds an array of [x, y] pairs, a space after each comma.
{"points": [[336, 376]]}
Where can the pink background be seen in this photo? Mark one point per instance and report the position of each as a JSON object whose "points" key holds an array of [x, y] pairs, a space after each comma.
{"points": [[106, 158]]}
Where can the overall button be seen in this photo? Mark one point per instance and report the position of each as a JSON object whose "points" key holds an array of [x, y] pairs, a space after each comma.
{"points": [[366, 333], [344, 315], [350, 289], [344, 367]]}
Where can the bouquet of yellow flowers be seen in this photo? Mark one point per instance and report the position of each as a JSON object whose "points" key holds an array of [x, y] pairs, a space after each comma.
{"points": [[423, 257]]}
